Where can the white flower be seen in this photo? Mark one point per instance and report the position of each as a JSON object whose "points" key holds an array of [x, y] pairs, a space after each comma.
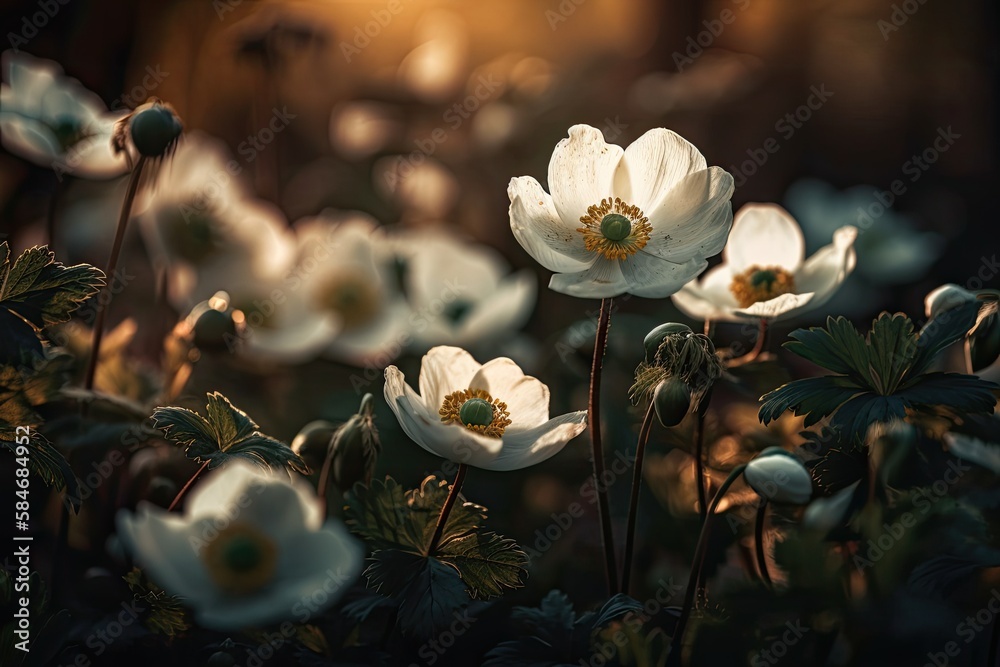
{"points": [[462, 294], [974, 450], [763, 274], [53, 121], [779, 476], [343, 271], [640, 220], [248, 549], [204, 227], [944, 298], [488, 416]]}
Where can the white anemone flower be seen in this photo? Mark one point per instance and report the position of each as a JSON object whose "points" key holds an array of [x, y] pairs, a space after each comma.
{"points": [[489, 416], [250, 546], [53, 121], [640, 220], [764, 274], [206, 230], [343, 270], [462, 293]]}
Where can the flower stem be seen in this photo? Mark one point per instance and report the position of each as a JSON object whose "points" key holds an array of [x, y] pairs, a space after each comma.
{"points": [[324, 477], [633, 505], [446, 508], [758, 347], [699, 464], [594, 423], [188, 485], [676, 643], [759, 542], [116, 248]]}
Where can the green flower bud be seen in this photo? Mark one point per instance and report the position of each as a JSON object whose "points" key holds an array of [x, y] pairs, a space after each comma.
{"points": [[671, 400], [212, 324], [984, 342], [779, 476], [154, 130], [356, 447], [825, 514], [655, 337], [313, 441]]}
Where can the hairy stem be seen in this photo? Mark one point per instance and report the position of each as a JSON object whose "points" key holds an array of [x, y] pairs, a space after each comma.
{"points": [[699, 464], [597, 452], [116, 248], [184, 489], [633, 505], [446, 508]]}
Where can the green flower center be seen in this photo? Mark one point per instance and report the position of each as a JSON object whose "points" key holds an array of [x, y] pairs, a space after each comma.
{"points": [[68, 131], [616, 227], [476, 412], [242, 554], [457, 311], [189, 232], [353, 297], [763, 278]]}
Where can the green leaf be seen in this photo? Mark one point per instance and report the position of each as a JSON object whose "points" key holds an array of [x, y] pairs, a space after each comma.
{"points": [[948, 327], [390, 518], [41, 291], [51, 466], [966, 393], [859, 413], [893, 346], [838, 348], [427, 591], [164, 613], [815, 397], [487, 563], [226, 433]]}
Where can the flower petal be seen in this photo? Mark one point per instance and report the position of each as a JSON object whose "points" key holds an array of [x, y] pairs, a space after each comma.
{"points": [[653, 277], [526, 397], [526, 448], [694, 219], [780, 307], [445, 369], [602, 280], [506, 310], [764, 235], [582, 171], [538, 228], [828, 267], [711, 298], [655, 163]]}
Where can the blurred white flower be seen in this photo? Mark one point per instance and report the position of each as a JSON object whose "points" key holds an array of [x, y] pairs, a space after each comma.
{"points": [[974, 450], [640, 220], [424, 189], [204, 228], [764, 275], [891, 250], [488, 416], [361, 128], [944, 298], [828, 513], [461, 293], [249, 548], [779, 476], [53, 121], [343, 271]]}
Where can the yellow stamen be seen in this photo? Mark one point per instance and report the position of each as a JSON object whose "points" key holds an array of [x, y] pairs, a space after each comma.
{"points": [[761, 283], [604, 231], [241, 559], [352, 296], [451, 410]]}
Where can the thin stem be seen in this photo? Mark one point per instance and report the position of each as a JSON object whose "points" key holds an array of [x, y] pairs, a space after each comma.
{"points": [[758, 347], [446, 508], [676, 643], [699, 464], [324, 475], [759, 542], [594, 422], [709, 328], [116, 248], [633, 505], [188, 485]]}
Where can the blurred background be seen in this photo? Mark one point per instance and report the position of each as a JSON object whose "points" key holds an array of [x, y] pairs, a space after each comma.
{"points": [[419, 112]]}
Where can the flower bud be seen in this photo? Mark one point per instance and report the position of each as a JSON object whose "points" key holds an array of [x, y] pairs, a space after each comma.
{"points": [[984, 341], [655, 337], [779, 476], [154, 129], [356, 447], [825, 514], [944, 298], [313, 442], [213, 325], [671, 400]]}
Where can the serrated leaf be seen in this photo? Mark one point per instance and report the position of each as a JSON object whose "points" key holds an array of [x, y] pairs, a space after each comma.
{"points": [[390, 518], [838, 348], [164, 613], [815, 397], [226, 433], [488, 563], [40, 292], [552, 621], [965, 393], [893, 346], [427, 591]]}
